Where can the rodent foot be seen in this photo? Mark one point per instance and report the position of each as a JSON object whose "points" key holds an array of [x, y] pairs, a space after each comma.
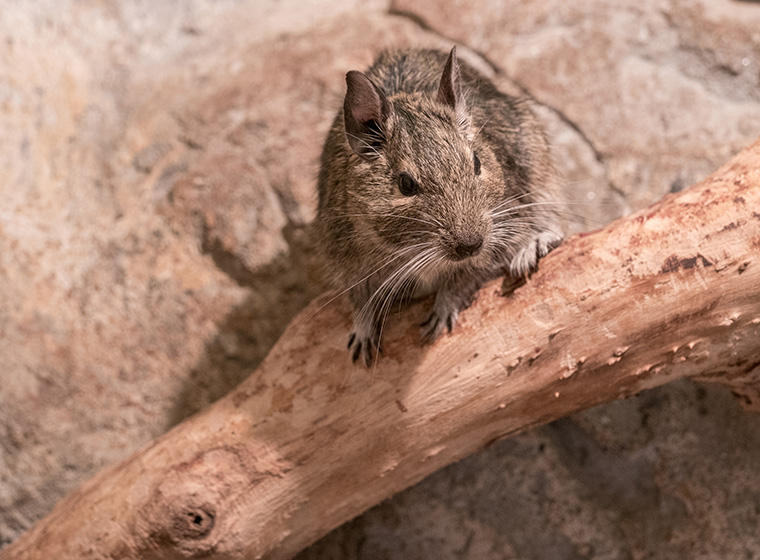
{"points": [[526, 259], [438, 321], [364, 346]]}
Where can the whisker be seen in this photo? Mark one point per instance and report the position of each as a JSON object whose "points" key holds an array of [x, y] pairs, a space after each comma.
{"points": [[560, 212], [480, 129], [405, 281], [365, 143], [394, 257], [431, 221], [369, 304]]}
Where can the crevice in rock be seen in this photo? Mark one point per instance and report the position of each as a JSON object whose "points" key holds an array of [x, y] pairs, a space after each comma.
{"points": [[416, 19], [425, 26], [564, 118]]}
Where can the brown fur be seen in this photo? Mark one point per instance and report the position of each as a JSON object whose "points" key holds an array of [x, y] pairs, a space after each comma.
{"points": [[416, 112]]}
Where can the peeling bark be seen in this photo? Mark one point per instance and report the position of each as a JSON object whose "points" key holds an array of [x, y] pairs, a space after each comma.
{"points": [[309, 441]]}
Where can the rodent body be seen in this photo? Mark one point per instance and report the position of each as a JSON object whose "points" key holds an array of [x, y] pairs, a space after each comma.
{"points": [[431, 180]]}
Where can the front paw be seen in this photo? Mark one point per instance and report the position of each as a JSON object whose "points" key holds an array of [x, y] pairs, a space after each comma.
{"points": [[364, 347], [438, 321], [526, 259]]}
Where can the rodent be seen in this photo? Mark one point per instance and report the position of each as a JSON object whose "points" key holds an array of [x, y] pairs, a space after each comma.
{"points": [[431, 180]]}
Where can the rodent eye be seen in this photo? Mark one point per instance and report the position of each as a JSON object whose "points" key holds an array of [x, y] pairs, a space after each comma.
{"points": [[476, 161], [407, 185]]}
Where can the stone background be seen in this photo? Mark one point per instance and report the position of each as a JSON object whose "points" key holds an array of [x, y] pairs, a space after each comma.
{"points": [[157, 182]]}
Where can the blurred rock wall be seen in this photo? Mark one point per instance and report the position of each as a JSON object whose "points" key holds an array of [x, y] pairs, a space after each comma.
{"points": [[157, 182]]}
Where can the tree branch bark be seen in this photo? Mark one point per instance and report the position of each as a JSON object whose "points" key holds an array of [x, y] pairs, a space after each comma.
{"points": [[310, 441]]}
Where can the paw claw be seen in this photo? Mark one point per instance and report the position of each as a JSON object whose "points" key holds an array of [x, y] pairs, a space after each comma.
{"points": [[356, 352], [428, 328], [434, 326], [364, 347]]}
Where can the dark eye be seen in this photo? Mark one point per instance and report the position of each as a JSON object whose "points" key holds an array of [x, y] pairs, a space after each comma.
{"points": [[476, 161], [407, 185]]}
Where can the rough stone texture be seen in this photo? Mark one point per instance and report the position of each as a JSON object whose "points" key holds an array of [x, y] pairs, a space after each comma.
{"points": [[159, 161]]}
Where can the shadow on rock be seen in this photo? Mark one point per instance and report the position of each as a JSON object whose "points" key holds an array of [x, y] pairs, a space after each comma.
{"points": [[277, 292]]}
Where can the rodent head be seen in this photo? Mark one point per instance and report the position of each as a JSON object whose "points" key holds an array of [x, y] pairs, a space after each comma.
{"points": [[420, 182]]}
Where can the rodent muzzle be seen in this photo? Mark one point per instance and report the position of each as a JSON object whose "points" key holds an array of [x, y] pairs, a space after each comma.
{"points": [[466, 245]]}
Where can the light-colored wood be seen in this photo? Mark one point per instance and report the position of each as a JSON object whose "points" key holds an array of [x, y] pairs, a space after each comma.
{"points": [[310, 441]]}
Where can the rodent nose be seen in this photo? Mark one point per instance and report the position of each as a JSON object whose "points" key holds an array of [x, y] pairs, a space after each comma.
{"points": [[468, 244]]}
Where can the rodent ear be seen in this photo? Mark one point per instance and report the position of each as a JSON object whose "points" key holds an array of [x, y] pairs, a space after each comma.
{"points": [[450, 90], [364, 111]]}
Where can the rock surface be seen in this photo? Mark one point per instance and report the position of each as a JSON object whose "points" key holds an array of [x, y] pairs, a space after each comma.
{"points": [[159, 164]]}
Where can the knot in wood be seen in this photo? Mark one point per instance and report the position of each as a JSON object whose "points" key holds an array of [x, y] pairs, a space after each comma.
{"points": [[191, 521], [184, 515], [181, 520]]}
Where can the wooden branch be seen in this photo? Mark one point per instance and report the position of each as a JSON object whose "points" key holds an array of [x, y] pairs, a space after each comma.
{"points": [[309, 441]]}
